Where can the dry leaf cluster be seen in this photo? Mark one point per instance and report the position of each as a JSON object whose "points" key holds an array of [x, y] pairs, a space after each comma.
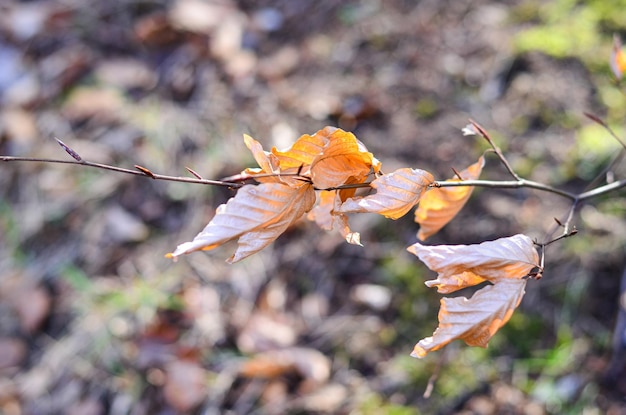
{"points": [[336, 164]]}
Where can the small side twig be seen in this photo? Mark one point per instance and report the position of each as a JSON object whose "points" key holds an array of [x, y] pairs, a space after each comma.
{"points": [[496, 149], [68, 150], [145, 171], [194, 173]]}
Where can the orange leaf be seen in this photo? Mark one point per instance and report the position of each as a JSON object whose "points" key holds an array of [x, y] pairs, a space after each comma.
{"points": [[462, 266], [618, 58], [304, 150], [256, 215], [503, 262], [440, 205], [343, 159], [396, 194], [474, 320], [324, 215], [267, 161]]}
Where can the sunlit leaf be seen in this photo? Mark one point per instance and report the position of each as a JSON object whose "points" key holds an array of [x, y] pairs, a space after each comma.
{"points": [[474, 320], [304, 150], [504, 263], [344, 159], [461, 266], [396, 194], [256, 215], [324, 215], [322, 212], [440, 205], [618, 58], [266, 161]]}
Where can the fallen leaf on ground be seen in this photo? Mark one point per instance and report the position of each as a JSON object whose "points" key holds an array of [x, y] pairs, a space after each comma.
{"points": [[266, 331], [308, 363], [504, 262], [12, 353], [185, 384]]}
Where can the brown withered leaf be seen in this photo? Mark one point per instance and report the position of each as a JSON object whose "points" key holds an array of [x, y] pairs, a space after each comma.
{"points": [[343, 160], [322, 212], [331, 157], [504, 262], [617, 62], [256, 215], [302, 153], [440, 205], [396, 193], [474, 320], [324, 215], [267, 162]]}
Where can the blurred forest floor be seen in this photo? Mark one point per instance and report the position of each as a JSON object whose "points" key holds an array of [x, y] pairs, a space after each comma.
{"points": [[94, 320]]}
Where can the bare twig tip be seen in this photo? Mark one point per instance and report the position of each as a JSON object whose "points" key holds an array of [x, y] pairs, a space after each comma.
{"points": [[457, 174], [194, 173], [595, 118], [145, 171], [68, 150]]}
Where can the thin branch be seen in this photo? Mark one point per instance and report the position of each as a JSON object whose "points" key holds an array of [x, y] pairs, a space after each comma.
{"points": [[141, 171], [496, 149], [564, 235], [457, 174], [603, 174], [599, 121], [509, 184], [602, 190], [347, 186]]}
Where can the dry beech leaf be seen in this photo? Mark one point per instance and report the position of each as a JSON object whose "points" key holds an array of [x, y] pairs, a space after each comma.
{"points": [[396, 194], [256, 215], [343, 160], [474, 320], [304, 150], [462, 266], [270, 166], [267, 162], [618, 58], [267, 331], [503, 262], [324, 215], [440, 205]]}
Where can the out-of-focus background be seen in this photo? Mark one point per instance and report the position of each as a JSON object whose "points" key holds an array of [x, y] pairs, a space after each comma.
{"points": [[93, 318]]}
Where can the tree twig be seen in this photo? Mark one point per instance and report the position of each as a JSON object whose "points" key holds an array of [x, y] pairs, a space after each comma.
{"points": [[141, 171], [495, 148]]}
